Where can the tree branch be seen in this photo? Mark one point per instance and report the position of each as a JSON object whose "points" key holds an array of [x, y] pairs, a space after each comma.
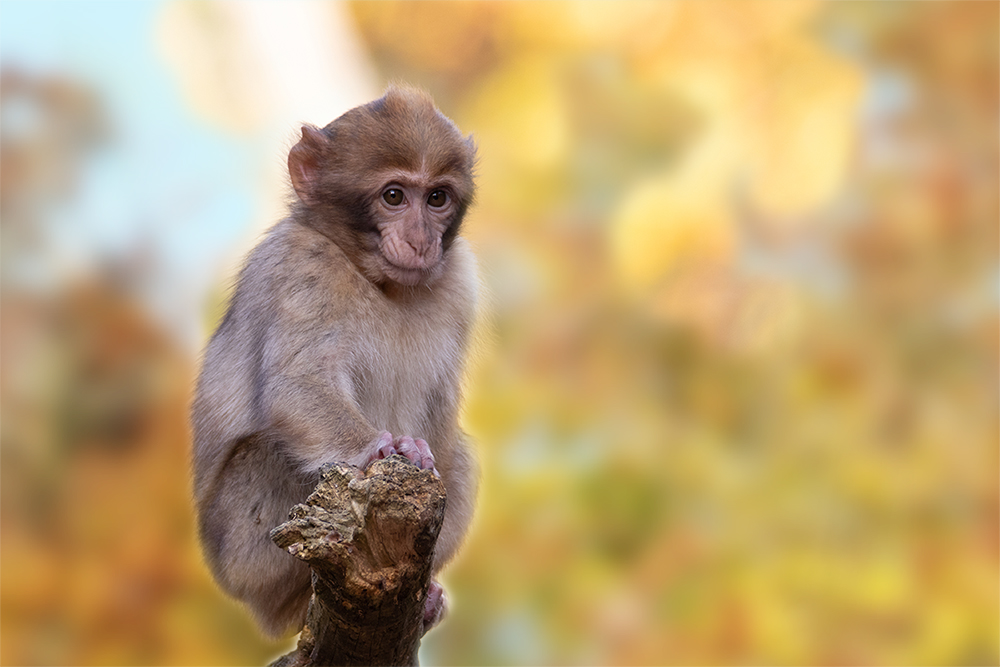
{"points": [[368, 537]]}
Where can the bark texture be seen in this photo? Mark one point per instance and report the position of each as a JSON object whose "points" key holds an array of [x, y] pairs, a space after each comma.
{"points": [[368, 537]]}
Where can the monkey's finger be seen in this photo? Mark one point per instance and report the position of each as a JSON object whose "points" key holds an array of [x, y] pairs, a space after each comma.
{"points": [[408, 448], [426, 455], [383, 446]]}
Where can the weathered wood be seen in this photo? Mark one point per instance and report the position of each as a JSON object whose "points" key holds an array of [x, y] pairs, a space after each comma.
{"points": [[368, 537]]}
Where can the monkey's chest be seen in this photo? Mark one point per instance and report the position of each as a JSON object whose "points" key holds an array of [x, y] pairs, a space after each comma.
{"points": [[401, 378]]}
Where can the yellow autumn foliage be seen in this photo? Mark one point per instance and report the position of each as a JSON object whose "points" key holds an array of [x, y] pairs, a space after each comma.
{"points": [[669, 224], [736, 398]]}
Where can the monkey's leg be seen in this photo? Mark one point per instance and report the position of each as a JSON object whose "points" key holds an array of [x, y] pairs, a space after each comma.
{"points": [[252, 495], [435, 606]]}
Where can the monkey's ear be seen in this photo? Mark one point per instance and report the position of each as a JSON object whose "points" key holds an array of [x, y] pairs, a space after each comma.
{"points": [[304, 162]]}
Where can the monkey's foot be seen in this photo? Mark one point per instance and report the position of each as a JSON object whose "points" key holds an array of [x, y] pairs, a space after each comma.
{"points": [[435, 606], [416, 450]]}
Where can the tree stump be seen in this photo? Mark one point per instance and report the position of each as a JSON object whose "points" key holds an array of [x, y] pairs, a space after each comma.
{"points": [[369, 538]]}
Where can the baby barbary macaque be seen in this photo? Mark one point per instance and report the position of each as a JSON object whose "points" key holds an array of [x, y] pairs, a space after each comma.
{"points": [[344, 341]]}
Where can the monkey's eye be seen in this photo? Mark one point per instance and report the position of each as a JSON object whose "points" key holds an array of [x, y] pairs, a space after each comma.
{"points": [[438, 198], [393, 196]]}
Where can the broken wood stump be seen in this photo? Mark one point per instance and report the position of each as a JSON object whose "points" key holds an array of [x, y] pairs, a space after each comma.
{"points": [[369, 538]]}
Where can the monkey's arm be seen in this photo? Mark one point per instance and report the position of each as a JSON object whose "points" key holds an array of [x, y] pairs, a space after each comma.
{"points": [[313, 411], [303, 381]]}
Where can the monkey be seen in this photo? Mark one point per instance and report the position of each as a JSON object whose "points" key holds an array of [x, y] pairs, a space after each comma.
{"points": [[344, 339]]}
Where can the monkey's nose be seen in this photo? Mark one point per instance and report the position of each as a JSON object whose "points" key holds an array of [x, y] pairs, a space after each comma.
{"points": [[421, 250]]}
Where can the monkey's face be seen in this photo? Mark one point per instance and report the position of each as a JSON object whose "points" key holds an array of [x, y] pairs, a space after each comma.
{"points": [[390, 182], [413, 214]]}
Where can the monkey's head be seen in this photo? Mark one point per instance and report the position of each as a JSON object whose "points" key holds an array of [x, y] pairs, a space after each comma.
{"points": [[389, 182]]}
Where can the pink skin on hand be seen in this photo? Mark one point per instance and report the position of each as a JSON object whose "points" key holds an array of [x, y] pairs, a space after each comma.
{"points": [[415, 449]]}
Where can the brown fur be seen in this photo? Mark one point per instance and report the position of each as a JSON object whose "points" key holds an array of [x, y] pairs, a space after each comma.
{"points": [[323, 346]]}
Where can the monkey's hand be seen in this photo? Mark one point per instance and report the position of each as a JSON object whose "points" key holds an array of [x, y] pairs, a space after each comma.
{"points": [[415, 449]]}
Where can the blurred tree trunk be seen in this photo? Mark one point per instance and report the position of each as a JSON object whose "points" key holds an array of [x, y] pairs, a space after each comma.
{"points": [[368, 537]]}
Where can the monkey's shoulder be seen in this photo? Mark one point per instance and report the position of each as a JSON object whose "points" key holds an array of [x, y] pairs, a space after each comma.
{"points": [[296, 267], [291, 247]]}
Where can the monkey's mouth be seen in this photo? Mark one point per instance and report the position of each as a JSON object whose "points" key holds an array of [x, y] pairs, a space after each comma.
{"points": [[406, 275]]}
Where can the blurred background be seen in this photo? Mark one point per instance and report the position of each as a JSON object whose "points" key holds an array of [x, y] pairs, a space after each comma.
{"points": [[735, 392]]}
